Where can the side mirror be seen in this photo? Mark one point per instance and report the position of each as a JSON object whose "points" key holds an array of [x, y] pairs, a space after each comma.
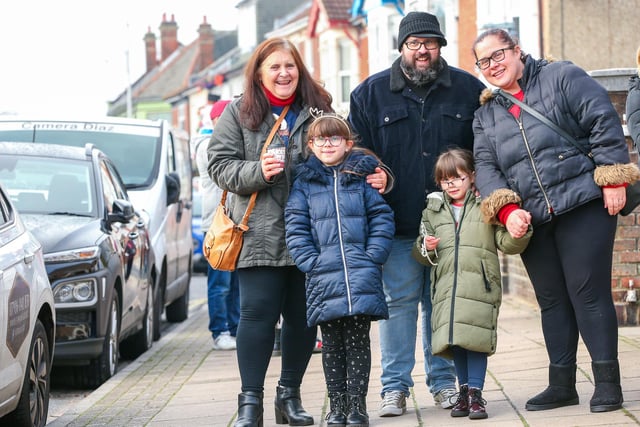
{"points": [[122, 211], [172, 181]]}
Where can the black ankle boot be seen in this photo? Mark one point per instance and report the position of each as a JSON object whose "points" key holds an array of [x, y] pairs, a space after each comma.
{"points": [[249, 409], [608, 393], [357, 411], [560, 392], [288, 407], [337, 410]]}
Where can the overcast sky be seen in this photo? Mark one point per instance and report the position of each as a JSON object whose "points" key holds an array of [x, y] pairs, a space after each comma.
{"points": [[70, 55]]}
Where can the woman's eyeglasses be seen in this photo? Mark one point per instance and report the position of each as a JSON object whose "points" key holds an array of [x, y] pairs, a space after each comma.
{"points": [[415, 44], [455, 182], [321, 141], [497, 56]]}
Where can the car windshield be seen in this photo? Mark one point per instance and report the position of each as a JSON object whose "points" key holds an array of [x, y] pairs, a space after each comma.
{"points": [[133, 148], [49, 185]]}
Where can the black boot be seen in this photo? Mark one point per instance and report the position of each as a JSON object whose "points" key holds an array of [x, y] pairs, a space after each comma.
{"points": [[608, 393], [560, 392], [249, 409], [337, 410], [357, 411], [461, 408], [288, 407], [477, 410]]}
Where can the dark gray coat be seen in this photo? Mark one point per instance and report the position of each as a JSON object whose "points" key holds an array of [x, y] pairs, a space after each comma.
{"points": [[234, 165], [547, 172]]}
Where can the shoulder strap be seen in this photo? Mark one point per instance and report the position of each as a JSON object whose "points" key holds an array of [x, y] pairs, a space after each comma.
{"points": [[254, 195], [547, 122]]}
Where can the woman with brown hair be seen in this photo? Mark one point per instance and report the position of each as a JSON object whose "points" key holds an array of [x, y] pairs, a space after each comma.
{"points": [[276, 82]]}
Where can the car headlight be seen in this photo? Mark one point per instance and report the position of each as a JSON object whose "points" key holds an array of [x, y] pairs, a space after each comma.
{"points": [[73, 255], [79, 292]]}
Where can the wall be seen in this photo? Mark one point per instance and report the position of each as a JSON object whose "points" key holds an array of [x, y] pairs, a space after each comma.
{"points": [[595, 34]]}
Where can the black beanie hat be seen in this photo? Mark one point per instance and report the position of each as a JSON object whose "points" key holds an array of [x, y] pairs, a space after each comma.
{"points": [[420, 24]]}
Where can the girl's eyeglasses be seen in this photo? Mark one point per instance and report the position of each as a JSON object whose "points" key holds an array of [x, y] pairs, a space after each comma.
{"points": [[453, 182], [321, 141]]}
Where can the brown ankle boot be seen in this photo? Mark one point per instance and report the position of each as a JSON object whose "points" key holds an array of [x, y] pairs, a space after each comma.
{"points": [[476, 405]]}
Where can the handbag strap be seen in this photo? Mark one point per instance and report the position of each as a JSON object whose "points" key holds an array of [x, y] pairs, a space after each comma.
{"points": [[547, 122], [254, 195]]}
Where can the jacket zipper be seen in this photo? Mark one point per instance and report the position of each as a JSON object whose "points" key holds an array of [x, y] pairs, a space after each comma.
{"points": [[455, 266], [344, 258], [533, 165]]}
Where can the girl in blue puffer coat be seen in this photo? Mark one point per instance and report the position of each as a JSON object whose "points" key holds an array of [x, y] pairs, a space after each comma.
{"points": [[339, 232]]}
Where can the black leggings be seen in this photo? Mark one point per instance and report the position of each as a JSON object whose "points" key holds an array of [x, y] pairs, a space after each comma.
{"points": [[346, 354], [265, 294], [569, 262]]}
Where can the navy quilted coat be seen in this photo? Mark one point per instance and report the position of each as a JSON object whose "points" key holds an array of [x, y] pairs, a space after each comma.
{"points": [[339, 232]]}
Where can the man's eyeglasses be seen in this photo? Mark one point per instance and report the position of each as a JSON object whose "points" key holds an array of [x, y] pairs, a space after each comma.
{"points": [[415, 44], [321, 141], [497, 56], [455, 182]]}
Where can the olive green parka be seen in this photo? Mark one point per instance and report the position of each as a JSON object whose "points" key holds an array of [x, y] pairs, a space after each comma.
{"points": [[466, 288]]}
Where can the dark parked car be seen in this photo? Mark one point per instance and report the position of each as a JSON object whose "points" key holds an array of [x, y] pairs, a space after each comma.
{"points": [[199, 261], [27, 323], [153, 160], [97, 253]]}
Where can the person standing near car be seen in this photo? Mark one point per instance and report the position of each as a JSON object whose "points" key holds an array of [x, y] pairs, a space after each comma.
{"points": [[276, 82], [409, 114], [222, 286]]}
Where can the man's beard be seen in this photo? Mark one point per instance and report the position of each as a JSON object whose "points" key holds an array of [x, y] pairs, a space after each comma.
{"points": [[422, 77]]}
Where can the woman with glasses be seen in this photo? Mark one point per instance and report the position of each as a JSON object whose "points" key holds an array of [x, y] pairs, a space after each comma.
{"points": [[339, 231], [571, 199], [467, 291]]}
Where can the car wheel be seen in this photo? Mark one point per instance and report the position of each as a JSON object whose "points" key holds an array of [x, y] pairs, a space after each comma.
{"points": [[105, 366], [33, 406], [178, 310], [142, 340]]}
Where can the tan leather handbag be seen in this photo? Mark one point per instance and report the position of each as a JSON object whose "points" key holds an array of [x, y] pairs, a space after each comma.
{"points": [[223, 241]]}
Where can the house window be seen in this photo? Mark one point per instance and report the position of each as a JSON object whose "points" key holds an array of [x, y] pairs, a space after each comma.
{"points": [[344, 69]]}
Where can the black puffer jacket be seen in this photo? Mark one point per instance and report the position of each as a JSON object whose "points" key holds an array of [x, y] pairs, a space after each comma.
{"points": [[528, 157], [633, 110]]}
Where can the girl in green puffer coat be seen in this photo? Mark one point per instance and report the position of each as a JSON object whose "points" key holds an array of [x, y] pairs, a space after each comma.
{"points": [[465, 278]]}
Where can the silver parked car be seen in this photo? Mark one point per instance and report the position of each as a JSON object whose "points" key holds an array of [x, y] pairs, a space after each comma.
{"points": [[27, 323]]}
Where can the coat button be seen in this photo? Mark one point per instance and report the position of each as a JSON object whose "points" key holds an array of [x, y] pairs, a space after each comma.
{"points": [[458, 116], [386, 119]]}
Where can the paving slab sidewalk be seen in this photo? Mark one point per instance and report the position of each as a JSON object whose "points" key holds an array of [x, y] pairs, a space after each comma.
{"points": [[181, 382]]}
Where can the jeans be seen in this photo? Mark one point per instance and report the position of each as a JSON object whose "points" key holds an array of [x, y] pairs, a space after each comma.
{"points": [[223, 300], [406, 285]]}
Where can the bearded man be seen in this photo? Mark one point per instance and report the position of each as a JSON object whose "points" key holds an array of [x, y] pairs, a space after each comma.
{"points": [[408, 114]]}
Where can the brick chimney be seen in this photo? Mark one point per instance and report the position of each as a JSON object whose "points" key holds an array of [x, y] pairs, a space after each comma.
{"points": [[206, 44], [168, 37], [150, 48]]}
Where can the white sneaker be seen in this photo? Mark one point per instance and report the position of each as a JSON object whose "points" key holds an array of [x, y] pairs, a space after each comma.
{"points": [[393, 403], [224, 342], [446, 398]]}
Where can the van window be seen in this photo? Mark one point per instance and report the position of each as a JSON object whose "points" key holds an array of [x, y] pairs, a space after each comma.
{"points": [[133, 148]]}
